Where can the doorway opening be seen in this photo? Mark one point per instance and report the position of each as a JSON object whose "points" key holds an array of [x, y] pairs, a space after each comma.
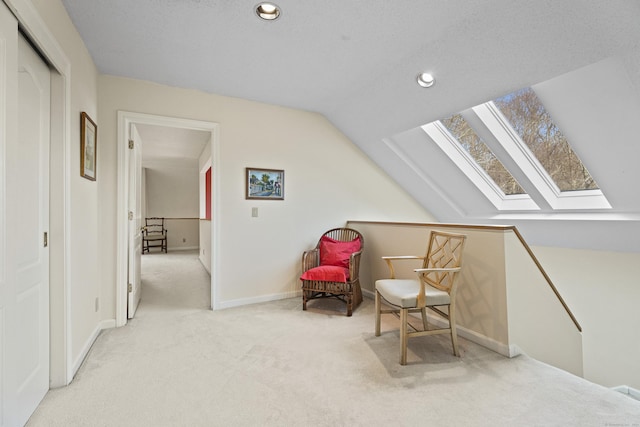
{"points": [[130, 127]]}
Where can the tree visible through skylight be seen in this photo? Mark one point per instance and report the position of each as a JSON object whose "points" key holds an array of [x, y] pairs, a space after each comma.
{"points": [[534, 125], [482, 154]]}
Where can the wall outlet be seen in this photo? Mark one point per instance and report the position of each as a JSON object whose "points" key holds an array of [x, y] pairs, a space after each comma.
{"points": [[184, 240], [254, 212], [97, 304]]}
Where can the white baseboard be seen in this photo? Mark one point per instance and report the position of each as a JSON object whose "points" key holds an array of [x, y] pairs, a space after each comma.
{"points": [[184, 248], [254, 300], [105, 324], [201, 258], [473, 336], [108, 324], [85, 350], [369, 294], [631, 392]]}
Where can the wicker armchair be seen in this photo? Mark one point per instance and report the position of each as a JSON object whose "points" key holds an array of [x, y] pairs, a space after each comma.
{"points": [[331, 270]]}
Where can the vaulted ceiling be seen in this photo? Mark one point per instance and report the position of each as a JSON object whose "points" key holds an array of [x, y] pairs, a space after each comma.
{"points": [[356, 62]]}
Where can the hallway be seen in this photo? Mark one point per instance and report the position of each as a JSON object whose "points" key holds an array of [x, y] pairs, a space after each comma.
{"points": [[126, 365], [174, 281]]}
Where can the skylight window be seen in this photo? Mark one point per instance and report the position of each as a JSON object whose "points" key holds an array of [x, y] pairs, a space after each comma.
{"points": [[482, 154], [531, 121], [531, 148]]}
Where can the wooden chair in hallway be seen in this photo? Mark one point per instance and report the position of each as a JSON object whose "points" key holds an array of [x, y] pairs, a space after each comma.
{"points": [[154, 235], [331, 270], [434, 287]]}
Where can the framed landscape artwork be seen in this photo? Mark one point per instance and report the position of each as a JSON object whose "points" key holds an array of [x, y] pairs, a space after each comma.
{"points": [[266, 184], [88, 145]]}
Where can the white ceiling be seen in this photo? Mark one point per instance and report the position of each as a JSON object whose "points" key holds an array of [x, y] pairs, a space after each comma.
{"points": [[356, 62], [165, 143], [345, 58]]}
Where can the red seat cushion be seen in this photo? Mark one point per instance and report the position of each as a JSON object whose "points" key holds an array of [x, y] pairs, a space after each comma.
{"points": [[327, 273], [336, 252]]}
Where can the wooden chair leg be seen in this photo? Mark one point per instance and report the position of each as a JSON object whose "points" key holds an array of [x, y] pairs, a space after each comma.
{"points": [[403, 335], [423, 311], [304, 300], [454, 333], [349, 305], [377, 304]]}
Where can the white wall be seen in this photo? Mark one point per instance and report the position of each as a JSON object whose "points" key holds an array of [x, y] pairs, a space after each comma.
{"points": [[603, 290], [172, 192], [327, 181], [172, 189], [539, 326]]}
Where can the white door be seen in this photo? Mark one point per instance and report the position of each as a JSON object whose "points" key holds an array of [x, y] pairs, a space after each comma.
{"points": [[135, 221], [24, 214]]}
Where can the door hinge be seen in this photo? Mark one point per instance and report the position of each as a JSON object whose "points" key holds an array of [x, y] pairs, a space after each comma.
{"points": [[130, 215], [130, 287], [131, 144], [46, 239]]}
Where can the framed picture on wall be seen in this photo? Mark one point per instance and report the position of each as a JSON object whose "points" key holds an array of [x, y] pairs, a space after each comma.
{"points": [[266, 184], [88, 146]]}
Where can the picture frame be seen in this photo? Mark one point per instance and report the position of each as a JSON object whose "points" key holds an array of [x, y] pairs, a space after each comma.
{"points": [[88, 147], [264, 184]]}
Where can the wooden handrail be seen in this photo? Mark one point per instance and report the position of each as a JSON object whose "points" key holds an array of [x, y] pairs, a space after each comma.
{"points": [[547, 278], [496, 228]]}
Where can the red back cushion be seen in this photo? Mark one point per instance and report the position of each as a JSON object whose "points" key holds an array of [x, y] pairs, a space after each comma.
{"points": [[335, 252]]}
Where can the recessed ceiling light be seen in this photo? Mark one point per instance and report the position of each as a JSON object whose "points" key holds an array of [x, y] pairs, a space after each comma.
{"points": [[268, 11], [426, 80]]}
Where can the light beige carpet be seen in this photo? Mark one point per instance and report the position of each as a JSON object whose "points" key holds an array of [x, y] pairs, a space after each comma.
{"points": [[271, 364]]}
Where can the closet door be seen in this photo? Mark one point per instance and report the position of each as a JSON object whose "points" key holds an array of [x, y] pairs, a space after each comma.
{"points": [[24, 224]]}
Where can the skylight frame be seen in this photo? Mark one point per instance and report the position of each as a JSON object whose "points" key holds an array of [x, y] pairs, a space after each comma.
{"points": [[476, 174], [499, 126]]}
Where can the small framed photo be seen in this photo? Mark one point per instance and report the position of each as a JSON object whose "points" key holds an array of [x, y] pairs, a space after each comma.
{"points": [[88, 146], [266, 184]]}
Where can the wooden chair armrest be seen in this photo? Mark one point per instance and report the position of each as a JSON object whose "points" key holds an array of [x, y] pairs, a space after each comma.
{"points": [[389, 259], [354, 265], [428, 270], [310, 259], [422, 272]]}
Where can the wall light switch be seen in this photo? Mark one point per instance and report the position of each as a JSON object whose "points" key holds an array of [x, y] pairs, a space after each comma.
{"points": [[254, 212]]}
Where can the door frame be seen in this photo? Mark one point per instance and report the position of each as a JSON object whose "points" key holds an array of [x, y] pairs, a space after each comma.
{"points": [[125, 120], [61, 365], [134, 224]]}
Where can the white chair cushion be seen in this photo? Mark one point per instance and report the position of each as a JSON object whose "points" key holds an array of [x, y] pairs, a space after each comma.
{"points": [[404, 292]]}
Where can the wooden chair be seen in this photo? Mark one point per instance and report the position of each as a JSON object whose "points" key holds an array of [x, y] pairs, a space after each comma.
{"points": [[331, 270], [435, 287], [154, 235]]}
